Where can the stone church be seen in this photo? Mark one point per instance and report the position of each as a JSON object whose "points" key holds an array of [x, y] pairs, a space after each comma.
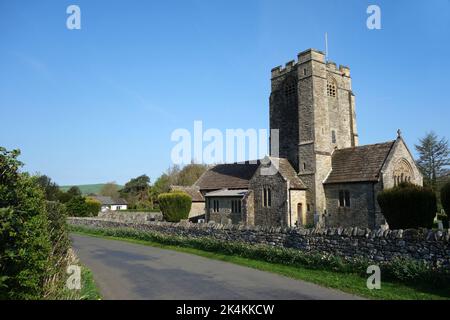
{"points": [[320, 174]]}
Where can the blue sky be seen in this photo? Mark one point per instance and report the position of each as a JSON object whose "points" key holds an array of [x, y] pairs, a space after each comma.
{"points": [[99, 104]]}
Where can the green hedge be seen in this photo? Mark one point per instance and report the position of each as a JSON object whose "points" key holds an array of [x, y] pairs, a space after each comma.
{"points": [[400, 269], [175, 206], [408, 206], [445, 198]]}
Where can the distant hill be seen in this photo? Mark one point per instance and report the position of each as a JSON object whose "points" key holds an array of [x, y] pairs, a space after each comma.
{"points": [[88, 188]]}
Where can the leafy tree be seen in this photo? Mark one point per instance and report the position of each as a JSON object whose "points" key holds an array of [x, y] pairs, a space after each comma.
{"points": [[65, 197], [434, 158], [77, 207], [51, 189], [25, 244], [136, 191], [190, 174], [110, 189]]}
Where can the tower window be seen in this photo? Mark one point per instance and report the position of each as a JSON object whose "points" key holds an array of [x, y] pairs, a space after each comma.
{"points": [[290, 88], [333, 136], [305, 71], [331, 89]]}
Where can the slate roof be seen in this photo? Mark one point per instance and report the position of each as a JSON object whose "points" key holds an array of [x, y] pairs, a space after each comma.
{"points": [[359, 164], [104, 200], [228, 176], [192, 191], [227, 193], [288, 172]]}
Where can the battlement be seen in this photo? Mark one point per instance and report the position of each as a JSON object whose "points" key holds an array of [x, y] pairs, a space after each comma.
{"points": [[305, 56]]}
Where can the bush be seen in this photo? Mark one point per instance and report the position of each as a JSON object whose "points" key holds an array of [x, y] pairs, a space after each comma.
{"points": [[444, 219], [408, 206], [175, 206], [445, 198], [93, 207], [24, 236], [77, 207]]}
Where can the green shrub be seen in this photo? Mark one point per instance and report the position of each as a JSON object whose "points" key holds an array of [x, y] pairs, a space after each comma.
{"points": [[57, 225], [93, 207], [80, 206], [408, 206], [445, 198], [444, 219], [175, 206], [24, 235]]}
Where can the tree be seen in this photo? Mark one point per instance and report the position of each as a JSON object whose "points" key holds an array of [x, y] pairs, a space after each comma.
{"points": [[434, 158], [65, 197], [25, 245], [110, 189], [136, 192], [77, 207], [51, 189]]}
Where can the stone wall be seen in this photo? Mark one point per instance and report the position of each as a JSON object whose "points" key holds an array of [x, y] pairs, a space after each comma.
{"points": [[376, 245], [135, 217]]}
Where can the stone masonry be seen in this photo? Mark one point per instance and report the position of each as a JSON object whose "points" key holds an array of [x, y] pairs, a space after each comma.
{"points": [[430, 246]]}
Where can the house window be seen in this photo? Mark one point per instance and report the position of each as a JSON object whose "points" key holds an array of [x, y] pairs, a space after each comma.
{"points": [[344, 198], [215, 206], [235, 206], [331, 88], [333, 136], [267, 197]]}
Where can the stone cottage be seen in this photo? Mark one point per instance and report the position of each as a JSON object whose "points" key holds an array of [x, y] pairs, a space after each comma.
{"points": [[317, 173]]}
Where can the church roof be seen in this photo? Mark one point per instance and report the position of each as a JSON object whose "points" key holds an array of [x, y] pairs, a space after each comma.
{"points": [[358, 164], [192, 191], [288, 172], [228, 176]]}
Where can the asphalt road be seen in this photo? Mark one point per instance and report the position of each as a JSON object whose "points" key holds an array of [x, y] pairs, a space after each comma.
{"points": [[131, 271]]}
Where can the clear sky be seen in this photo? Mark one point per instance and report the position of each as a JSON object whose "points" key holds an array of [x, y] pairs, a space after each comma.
{"points": [[99, 104]]}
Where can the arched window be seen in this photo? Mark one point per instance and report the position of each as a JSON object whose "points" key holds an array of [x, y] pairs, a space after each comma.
{"points": [[331, 88], [402, 172]]}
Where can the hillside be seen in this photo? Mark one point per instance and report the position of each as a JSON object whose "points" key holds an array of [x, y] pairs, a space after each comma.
{"points": [[88, 188]]}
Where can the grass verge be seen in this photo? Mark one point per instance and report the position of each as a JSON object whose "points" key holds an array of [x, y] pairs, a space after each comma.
{"points": [[348, 282]]}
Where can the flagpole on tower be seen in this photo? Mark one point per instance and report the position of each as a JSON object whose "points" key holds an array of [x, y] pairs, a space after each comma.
{"points": [[326, 46]]}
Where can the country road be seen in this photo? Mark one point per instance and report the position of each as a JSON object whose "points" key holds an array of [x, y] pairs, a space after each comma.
{"points": [[131, 271]]}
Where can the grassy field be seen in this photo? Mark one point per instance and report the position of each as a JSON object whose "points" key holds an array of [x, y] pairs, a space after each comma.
{"points": [[88, 188], [347, 282]]}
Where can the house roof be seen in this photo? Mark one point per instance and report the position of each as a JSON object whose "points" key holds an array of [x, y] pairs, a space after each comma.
{"points": [[192, 191], [358, 164], [227, 193], [228, 176], [104, 200], [288, 172]]}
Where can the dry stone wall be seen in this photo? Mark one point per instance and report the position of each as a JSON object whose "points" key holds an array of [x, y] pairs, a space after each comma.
{"points": [[431, 246]]}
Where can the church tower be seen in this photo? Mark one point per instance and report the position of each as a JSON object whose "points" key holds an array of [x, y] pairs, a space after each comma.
{"points": [[313, 107]]}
